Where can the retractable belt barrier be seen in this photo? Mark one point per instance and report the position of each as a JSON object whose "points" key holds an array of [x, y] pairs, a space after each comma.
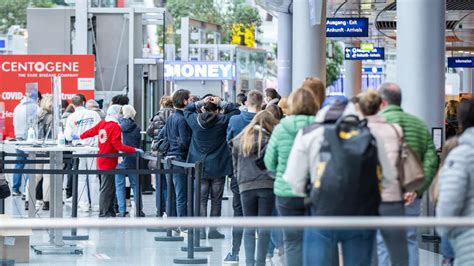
{"points": [[193, 172]]}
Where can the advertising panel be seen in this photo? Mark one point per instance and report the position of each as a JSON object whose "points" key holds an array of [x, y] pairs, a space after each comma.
{"points": [[347, 27], [199, 70], [20, 74]]}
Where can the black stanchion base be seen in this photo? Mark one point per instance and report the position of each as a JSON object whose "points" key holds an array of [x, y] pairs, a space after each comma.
{"points": [[198, 249], [156, 230], [190, 261], [169, 238], [77, 238]]}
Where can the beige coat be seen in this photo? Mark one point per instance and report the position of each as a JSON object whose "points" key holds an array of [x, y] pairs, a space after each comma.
{"points": [[388, 147]]}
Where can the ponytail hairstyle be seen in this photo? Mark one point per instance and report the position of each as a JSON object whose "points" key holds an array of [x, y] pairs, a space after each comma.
{"points": [[252, 143]]}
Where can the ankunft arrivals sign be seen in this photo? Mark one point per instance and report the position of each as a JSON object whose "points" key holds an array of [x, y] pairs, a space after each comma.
{"points": [[353, 53], [464, 62], [347, 27], [19, 73], [199, 70]]}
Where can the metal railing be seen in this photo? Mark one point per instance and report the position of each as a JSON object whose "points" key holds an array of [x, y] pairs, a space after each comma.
{"points": [[243, 222]]}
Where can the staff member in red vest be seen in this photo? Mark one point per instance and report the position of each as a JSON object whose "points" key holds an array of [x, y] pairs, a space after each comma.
{"points": [[110, 141]]}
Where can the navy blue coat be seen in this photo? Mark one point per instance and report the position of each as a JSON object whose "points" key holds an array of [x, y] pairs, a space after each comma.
{"points": [[131, 137], [209, 143], [179, 135]]}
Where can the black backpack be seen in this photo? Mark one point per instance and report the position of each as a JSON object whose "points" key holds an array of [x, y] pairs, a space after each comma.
{"points": [[347, 182]]}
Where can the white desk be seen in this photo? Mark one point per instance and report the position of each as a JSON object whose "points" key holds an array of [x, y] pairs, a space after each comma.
{"points": [[56, 184]]}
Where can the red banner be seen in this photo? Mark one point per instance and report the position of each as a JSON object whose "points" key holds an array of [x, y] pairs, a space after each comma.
{"points": [[76, 72]]}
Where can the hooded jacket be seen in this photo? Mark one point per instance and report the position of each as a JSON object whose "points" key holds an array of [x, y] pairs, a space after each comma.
{"points": [[110, 141], [305, 151], [24, 117], [249, 175], [456, 196], [278, 150], [131, 137], [237, 123], [158, 122], [208, 143]]}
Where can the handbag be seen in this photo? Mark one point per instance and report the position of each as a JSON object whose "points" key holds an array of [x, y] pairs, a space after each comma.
{"points": [[409, 166], [4, 187]]}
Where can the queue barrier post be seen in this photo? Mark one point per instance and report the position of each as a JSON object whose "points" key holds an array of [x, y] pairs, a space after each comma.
{"points": [[190, 259], [138, 190], [198, 172], [170, 190]]}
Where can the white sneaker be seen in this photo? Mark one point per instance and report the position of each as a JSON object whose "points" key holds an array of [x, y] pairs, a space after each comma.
{"points": [[83, 207], [95, 208]]}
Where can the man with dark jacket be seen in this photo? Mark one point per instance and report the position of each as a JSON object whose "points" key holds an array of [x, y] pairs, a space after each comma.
{"points": [[236, 124], [209, 145], [178, 133]]}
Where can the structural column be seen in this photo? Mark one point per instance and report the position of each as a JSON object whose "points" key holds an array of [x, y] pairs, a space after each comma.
{"points": [[80, 42], [421, 58], [284, 53], [466, 85], [352, 77], [309, 40]]}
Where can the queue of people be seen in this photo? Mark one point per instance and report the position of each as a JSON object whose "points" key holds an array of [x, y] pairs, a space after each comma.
{"points": [[302, 155]]}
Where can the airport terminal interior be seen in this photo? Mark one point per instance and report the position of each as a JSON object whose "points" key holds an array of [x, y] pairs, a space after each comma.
{"points": [[237, 132]]}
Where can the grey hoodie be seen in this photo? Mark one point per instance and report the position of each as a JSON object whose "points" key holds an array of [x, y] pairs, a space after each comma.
{"points": [[456, 196]]}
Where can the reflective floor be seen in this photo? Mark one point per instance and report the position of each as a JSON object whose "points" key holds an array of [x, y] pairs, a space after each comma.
{"points": [[138, 247]]}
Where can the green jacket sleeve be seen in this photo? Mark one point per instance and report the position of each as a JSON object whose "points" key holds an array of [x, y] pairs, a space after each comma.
{"points": [[430, 164], [271, 153]]}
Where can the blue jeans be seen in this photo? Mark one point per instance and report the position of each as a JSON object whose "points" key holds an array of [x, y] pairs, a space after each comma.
{"points": [[164, 195], [120, 191], [17, 177], [320, 246], [180, 188], [413, 210]]}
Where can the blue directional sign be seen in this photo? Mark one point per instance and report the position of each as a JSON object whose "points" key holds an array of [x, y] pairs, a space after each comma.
{"points": [[347, 27], [353, 53], [465, 61]]}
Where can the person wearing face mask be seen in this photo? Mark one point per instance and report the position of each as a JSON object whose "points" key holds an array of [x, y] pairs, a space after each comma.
{"points": [[110, 141]]}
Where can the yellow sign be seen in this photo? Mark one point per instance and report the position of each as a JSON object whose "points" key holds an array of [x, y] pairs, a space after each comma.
{"points": [[243, 35]]}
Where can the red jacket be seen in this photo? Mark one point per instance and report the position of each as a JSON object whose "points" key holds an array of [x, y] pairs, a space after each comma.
{"points": [[110, 141]]}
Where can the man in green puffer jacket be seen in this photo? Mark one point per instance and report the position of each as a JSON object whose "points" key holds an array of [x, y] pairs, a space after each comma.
{"points": [[302, 108], [418, 138]]}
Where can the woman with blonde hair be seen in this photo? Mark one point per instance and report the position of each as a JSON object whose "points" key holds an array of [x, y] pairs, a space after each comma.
{"points": [[255, 183], [302, 107], [45, 122]]}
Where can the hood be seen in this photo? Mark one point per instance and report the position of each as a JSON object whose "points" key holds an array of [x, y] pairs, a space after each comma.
{"points": [[467, 138], [247, 116], [207, 120], [127, 125], [331, 113], [294, 123]]}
